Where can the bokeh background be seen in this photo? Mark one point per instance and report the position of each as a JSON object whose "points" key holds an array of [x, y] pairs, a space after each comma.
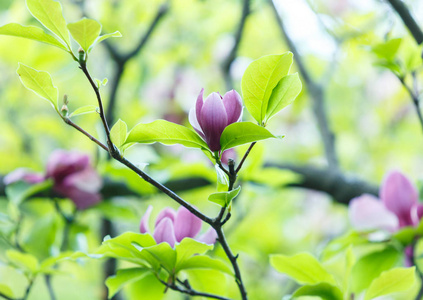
{"points": [[194, 44]]}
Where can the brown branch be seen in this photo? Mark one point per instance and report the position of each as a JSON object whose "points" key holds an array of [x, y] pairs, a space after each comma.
{"points": [[316, 92], [408, 19], [226, 65]]}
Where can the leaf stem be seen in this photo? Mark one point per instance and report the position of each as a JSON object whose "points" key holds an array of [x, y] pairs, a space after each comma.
{"points": [[245, 157]]}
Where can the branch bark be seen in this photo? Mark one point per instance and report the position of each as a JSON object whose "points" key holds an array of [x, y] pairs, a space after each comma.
{"points": [[316, 92]]}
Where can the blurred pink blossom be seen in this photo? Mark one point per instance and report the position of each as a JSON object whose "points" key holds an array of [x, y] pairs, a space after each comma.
{"points": [[172, 227], [72, 174], [397, 207]]}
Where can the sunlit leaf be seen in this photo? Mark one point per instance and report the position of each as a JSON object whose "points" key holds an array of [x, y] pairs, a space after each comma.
{"points": [[30, 32], [391, 281], [323, 290], [85, 32], [118, 133], [224, 198], [285, 92], [104, 37], [303, 268], [124, 276], [23, 261], [88, 109], [5, 290], [204, 262], [49, 13], [241, 133], [39, 82], [259, 80], [165, 132]]}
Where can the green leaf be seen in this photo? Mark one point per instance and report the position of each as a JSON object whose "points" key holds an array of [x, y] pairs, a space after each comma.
{"points": [[32, 33], [85, 32], [324, 290], [288, 88], [87, 109], [243, 133], [392, 281], [303, 268], [23, 261], [39, 82], [118, 133], [17, 192], [388, 49], [5, 290], [224, 198], [124, 276], [164, 254], [49, 13], [371, 266], [204, 262], [167, 133], [189, 247], [259, 80], [104, 37]]}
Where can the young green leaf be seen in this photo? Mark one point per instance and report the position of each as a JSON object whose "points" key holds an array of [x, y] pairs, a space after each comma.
{"points": [[259, 80], [32, 33], [189, 247], [303, 268], [388, 49], [87, 109], [23, 261], [118, 133], [323, 290], [49, 13], [165, 132], [204, 262], [224, 198], [18, 192], [288, 88], [104, 37], [5, 290], [222, 179], [371, 266], [243, 133], [39, 82], [392, 281], [124, 276], [85, 32]]}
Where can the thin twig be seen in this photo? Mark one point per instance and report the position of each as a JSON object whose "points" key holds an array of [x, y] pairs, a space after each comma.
{"points": [[47, 278], [316, 92], [245, 157], [69, 122], [226, 65], [414, 94], [121, 60], [189, 291]]}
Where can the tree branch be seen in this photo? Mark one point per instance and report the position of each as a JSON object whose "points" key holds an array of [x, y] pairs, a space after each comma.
{"points": [[316, 92], [121, 59], [189, 291], [408, 19], [226, 65]]}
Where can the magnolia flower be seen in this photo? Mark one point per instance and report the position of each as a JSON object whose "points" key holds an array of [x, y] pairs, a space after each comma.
{"points": [[72, 174], [172, 227], [210, 117], [397, 207], [74, 177]]}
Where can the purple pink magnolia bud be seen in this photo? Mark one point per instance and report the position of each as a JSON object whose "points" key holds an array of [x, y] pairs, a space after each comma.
{"points": [[397, 207], [210, 117], [173, 226], [74, 177]]}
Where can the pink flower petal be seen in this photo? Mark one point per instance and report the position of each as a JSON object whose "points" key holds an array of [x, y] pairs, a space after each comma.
{"points": [[399, 195], [233, 105], [166, 213], [62, 163], [199, 105], [144, 226], [192, 118], [22, 174], [209, 237], [368, 213], [164, 232], [416, 214], [186, 224], [213, 120]]}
